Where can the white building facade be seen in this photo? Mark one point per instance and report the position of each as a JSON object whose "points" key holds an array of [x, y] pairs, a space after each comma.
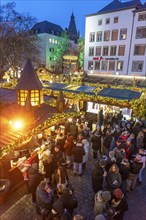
{"points": [[115, 40]]}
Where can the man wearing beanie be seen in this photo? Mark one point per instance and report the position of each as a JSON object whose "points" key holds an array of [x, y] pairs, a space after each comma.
{"points": [[100, 202]]}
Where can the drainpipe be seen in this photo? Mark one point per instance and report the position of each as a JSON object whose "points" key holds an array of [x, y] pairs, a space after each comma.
{"points": [[130, 43]]}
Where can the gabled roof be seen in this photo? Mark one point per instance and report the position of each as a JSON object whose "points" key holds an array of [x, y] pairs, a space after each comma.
{"points": [[47, 27], [29, 79], [117, 5]]}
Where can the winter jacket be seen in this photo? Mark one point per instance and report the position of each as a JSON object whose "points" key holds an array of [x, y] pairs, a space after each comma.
{"points": [[34, 178], [73, 130], [121, 209], [44, 199], [69, 146], [99, 203], [135, 166], [97, 177], [96, 140], [111, 177], [78, 153]]}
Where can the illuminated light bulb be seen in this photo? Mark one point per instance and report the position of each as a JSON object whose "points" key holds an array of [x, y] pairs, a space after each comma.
{"points": [[10, 122], [17, 125]]}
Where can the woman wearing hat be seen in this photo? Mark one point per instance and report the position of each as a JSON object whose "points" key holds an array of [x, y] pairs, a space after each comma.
{"points": [[119, 204]]}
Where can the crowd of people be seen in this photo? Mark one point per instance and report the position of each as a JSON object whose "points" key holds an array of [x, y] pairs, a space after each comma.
{"points": [[118, 150]]}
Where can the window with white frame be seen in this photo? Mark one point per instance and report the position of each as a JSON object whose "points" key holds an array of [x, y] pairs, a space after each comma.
{"points": [[142, 16], [107, 21], [139, 49], [97, 65], [106, 35], [91, 51], [113, 50], [92, 37], [120, 65], [104, 65], [121, 51], [105, 51], [141, 32], [123, 34], [100, 22], [98, 51], [137, 66], [114, 34], [90, 65], [99, 36], [112, 65]]}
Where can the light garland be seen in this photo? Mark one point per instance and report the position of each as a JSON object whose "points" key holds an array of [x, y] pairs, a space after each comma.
{"points": [[54, 120]]}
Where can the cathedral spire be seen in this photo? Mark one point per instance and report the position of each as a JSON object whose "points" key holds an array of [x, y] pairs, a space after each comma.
{"points": [[72, 30]]}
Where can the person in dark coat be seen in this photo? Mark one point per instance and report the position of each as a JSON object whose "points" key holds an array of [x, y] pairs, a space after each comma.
{"points": [[34, 179], [114, 179], [44, 197], [78, 152], [100, 117], [135, 166], [119, 204], [107, 142], [48, 167], [98, 175], [58, 156], [68, 146], [69, 200], [73, 129], [120, 117], [96, 141], [60, 140]]}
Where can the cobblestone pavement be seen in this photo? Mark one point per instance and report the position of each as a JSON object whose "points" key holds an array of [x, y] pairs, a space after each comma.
{"points": [[20, 207]]}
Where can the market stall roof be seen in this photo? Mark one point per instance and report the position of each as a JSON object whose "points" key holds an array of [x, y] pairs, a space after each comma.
{"points": [[117, 80], [72, 88], [119, 94]]}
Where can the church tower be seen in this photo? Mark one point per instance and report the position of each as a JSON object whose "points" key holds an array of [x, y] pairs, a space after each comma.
{"points": [[72, 30]]}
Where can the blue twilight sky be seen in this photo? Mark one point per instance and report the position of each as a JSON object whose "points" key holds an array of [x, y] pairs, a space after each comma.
{"points": [[59, 11]]}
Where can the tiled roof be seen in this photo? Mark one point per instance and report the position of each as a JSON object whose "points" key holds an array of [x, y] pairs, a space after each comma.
{"points": [[143, 6], [29, 79], [117, 5], [47, 27]]}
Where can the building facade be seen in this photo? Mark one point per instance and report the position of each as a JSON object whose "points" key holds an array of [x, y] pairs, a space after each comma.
{"points": [[115, 39], [50, 38]]}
